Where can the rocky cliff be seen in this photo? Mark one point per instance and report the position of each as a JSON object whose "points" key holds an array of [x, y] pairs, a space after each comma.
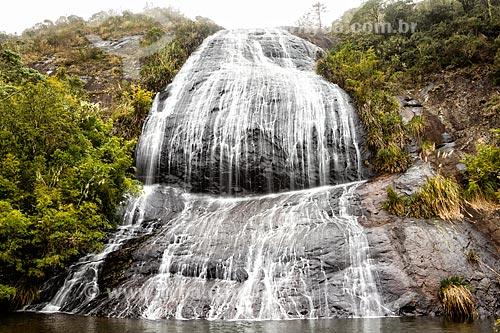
{"points": [[227, 126]]}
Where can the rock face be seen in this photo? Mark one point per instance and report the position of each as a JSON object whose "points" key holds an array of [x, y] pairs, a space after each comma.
{"points": [[247, 114], [326, 252], [413, 255]]}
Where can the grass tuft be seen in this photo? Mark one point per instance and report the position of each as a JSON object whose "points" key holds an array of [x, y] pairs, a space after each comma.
{"points": [[438, 197], [472, 258], [457, 299], [441, 196]]}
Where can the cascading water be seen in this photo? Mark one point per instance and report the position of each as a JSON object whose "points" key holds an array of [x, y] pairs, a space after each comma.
{"points": [[245, 115], [290, 255]]}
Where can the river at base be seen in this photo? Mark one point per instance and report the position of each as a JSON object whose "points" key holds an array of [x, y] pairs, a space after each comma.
{"points": [[45, 323]]}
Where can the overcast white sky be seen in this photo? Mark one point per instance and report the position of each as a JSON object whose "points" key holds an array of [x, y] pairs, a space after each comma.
{"points": [[17, 15]]}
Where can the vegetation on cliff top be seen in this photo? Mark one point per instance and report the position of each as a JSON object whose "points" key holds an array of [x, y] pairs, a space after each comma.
{"points": [[361, 74], [167, 38], [373, 67]]}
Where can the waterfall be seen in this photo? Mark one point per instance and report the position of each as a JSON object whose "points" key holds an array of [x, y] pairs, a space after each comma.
{"points": [[247, 113], [251, 162]]}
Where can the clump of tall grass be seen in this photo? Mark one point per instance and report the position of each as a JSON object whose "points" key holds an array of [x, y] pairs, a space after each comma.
{"points": [[438, 197], [391, 159], [416, 127], [395, 203], [457, 299]]}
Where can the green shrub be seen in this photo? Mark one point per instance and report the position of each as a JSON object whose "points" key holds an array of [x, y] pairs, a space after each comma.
{"points": [[495, 71], [392, 160], [126, 23], [152, 36], [395, 204], [416, 127], [456, 299], [446, 36], [131, 113], [160, 68], [483, 174], [191, 34]]}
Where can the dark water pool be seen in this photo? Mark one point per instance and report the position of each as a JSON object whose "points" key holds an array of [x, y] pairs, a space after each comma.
{"points": [[61, 323]]}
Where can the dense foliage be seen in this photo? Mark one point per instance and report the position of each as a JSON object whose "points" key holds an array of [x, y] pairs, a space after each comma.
{"points": [[160, 68], [373, 67], [129, 114], [62, 176], [448, 34], [167, 39], [66, 145]]}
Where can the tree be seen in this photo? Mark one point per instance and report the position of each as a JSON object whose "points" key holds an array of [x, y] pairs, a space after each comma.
{"points": [[371, 11], [319, 8], [398, 10], [312, 19], [468, 5], [305, 22]]}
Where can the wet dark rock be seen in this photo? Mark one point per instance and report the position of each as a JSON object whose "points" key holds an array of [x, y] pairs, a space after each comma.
{"points": [[112, 273]]}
